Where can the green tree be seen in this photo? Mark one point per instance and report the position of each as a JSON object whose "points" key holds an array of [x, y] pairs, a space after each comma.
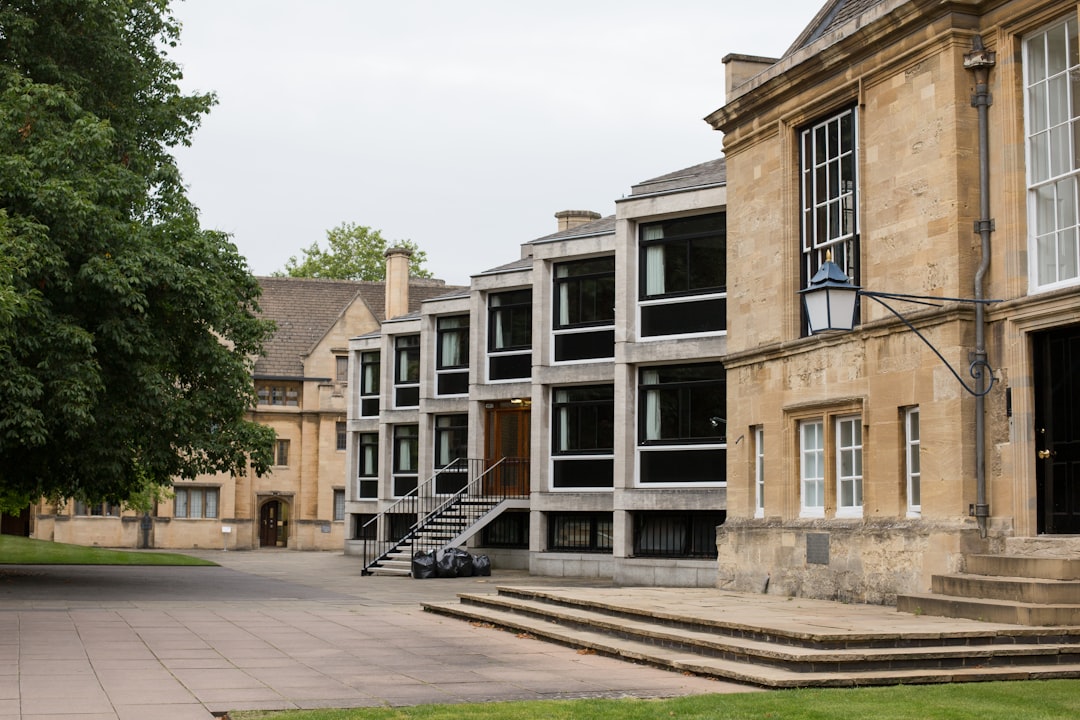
{"points": [[355, 252], [127, 333]]}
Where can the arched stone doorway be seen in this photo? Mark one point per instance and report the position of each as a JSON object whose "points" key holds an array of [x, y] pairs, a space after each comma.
{"points": [[274, 523]]}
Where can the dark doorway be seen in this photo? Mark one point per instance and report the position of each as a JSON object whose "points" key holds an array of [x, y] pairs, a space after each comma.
{"points": [[274, 524], [1057, 430]]}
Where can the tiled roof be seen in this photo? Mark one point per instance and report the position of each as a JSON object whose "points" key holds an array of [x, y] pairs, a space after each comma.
{"points": [[713, 172], [304, 309], [834, 14], [521, 264], [603, 226]]}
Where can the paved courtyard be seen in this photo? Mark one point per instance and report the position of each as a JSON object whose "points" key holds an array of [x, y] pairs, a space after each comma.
{"points": [[274, 630]]}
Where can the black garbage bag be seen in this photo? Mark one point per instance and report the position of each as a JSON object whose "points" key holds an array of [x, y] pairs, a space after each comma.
{"points": [[423, 565], [446, 566], [481, 566], [463, 561]]}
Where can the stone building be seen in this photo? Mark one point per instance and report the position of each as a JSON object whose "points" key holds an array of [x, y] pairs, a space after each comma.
{"points": [[301, 385], [867, 467], [580, 383]]}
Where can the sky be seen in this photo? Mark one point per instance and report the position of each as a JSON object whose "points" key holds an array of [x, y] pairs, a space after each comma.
{"points": [[461, 126]]}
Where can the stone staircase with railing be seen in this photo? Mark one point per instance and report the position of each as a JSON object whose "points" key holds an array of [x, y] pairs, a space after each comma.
{"points": [[1035, 582], [445, 520]]}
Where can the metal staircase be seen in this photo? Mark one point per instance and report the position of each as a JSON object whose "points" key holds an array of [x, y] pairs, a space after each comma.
{"points": [[444, 512]]}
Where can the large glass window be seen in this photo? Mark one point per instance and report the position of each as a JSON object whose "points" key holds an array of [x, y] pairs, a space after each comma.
{"points": [[407, 371], [369, 383], [451, 443], [584, 309], [452, 355], [585, 292], [510, 335], [406, 462], [683, 279], [1051, 79], [829, 187], [682, 430], [912, 467], [367, 467], [583, 436]]}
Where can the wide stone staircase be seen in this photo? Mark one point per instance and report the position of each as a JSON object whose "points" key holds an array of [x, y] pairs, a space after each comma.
{"points": [[1030, 584], [774, 641]]}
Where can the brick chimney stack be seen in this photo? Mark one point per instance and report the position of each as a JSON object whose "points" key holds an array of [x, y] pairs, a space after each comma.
{"points": [[569, 219], [397, 282]]}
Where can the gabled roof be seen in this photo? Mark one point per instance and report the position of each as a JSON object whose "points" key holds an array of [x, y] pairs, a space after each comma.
{"points": [[305, 309], [713, 172], [833, 15]]}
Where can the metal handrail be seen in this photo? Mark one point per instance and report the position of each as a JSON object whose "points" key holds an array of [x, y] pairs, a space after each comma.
{"points": [[375, 550]]}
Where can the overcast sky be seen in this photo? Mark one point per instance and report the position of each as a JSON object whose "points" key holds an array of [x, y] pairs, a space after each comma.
{"points": [[462, 126]]}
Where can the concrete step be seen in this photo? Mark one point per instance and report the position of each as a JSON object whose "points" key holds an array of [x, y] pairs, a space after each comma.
{"points": [[754, 661], [988, 610], [1029, 566], [1014, 589]]}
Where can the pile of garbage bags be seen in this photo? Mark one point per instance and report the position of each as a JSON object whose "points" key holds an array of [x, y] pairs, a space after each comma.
{"points": [[449, 563]]}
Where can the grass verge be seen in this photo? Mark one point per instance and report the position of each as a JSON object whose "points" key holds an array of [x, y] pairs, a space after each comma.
{"points": [[1036, 700], [16, 550]]}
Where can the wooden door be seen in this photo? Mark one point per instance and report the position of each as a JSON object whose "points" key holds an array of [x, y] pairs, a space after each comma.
{"points": [[508, 437], [272, 525]]}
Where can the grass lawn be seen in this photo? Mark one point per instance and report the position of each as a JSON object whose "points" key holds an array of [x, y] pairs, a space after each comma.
{"points": [[16, 550], [1043, 700]]}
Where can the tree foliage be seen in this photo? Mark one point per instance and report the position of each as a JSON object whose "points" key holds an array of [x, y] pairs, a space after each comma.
{"points": [[127, 333], [354, 252]]}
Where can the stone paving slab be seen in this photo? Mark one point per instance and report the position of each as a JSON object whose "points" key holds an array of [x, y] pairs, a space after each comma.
{"points": [[274, 630]]}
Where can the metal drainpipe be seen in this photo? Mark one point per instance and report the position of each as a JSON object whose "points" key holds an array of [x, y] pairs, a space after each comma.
{"points": [[979, 61]]}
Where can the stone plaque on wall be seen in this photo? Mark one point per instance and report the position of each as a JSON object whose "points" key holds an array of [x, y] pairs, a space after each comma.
{"points": [[817, 548]]}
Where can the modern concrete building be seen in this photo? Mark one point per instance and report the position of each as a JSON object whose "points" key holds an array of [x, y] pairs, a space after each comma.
{"points": [[590, 369], [301, 385], [925, 148]]}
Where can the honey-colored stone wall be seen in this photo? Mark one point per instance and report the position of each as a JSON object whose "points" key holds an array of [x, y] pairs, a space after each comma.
{"points": [[918, 201]]}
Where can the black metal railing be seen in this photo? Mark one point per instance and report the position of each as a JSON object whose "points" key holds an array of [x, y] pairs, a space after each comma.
{"points": [[438, 519]]}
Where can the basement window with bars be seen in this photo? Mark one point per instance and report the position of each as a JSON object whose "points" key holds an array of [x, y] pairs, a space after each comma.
{"points": [[689, 534], [581, 532], [509, 530]]}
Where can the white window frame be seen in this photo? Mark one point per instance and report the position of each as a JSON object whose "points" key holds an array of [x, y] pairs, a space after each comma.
{"points": [[812, 468], [849, 466], [1053, 184], [759, 472], [912, 462]]}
